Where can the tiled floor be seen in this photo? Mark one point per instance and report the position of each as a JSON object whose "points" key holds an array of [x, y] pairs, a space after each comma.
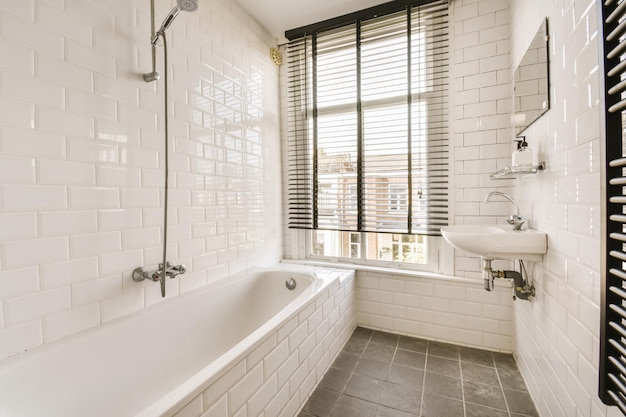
{"points": [[384, 375]]}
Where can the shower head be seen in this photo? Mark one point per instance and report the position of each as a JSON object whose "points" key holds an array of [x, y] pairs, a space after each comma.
{"points": [[184, 5], [188, 5]]}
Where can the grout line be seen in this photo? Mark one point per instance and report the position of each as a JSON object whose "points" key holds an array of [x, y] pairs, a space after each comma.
{"points": [[462, 387], [424, 378], [506, 403], [369, 341], [387, 375]]}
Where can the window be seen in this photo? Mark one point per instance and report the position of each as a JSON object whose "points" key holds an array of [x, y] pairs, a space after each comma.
{"points": [[368, 136], [355, 245], [380, 248], [397, 197], [408, 248]]}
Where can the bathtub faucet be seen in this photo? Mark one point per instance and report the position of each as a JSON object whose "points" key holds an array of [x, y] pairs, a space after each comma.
{"points": [[172, 271]]}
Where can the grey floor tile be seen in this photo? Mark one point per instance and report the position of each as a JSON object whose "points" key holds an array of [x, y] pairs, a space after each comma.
{"points": [[346, 361], [520, 402], [383, 338], [378, 352], [401, 397], [365, 388], [476, 356], [335, 380], [385, 375], [403, 375], [512, 379], [372, 368], [355, 346], [321, 403], [475, 410], [362, 333], [438, 406], [443, 350], [353, 407], [408, 358], [484, 394], [390, 412], [504, 360], [479, 373], [412, 344], [443, 366], [444, 385]]}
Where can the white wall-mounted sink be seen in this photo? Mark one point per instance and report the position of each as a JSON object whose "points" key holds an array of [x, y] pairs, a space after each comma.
{"points": [[497, 241]]}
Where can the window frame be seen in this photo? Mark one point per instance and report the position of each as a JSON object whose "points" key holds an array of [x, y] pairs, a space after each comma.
{"points": [[438, 257], [439, 254]]}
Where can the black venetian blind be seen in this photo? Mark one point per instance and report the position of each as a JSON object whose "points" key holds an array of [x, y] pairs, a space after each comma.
{"points": [[368, 121]]}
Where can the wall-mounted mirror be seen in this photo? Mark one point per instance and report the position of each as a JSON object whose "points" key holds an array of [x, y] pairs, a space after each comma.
{"points": [[531, 82]]}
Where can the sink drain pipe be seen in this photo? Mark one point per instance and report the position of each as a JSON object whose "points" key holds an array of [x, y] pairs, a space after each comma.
{"points": [[521, 289]]}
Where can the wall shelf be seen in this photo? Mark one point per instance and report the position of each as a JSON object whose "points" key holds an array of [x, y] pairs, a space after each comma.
{"points": [[508, 173]]}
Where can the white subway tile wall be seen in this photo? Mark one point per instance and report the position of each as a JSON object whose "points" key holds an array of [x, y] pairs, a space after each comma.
{"points": [[458, 311], [82, 157], [482, 116], [557, 336]]}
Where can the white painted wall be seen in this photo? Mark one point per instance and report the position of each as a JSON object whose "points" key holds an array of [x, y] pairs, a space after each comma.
{"points": [[81, 158]]}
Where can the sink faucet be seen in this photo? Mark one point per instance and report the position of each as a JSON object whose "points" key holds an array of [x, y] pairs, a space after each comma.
{"points": [[514, 219]]}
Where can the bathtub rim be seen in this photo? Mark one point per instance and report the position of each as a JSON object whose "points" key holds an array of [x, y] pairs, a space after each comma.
{"points": [[48, 348]]}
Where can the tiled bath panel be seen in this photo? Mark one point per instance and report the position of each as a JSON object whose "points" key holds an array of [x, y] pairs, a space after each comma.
{"points": [[381, 374], [277, 377]]}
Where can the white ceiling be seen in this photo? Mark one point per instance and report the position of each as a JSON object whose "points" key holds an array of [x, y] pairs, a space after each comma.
{"points": [[277, 16]]}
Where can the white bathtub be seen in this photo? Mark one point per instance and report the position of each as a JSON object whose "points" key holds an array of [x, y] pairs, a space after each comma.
{"points": [[183, 353]]}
